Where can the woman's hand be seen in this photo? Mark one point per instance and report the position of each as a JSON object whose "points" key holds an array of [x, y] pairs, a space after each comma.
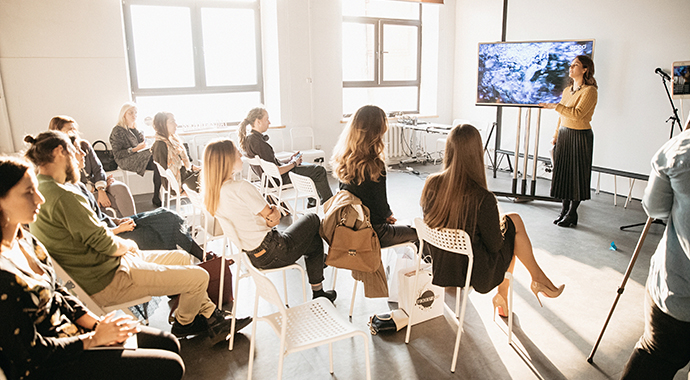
{"points": [[272, 215], [103, 199], [391, 220], [109, 181], [139, 147], [112, 330], [123, 225], [550, 106]]}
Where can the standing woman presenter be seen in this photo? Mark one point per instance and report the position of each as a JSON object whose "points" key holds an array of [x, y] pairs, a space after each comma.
{"points": [[574, 140]]}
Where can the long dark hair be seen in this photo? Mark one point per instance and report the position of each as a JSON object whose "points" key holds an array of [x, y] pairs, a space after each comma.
{"points": [[254, 113], [160, 124], [451, 198], [588, 76], [12, 170]]}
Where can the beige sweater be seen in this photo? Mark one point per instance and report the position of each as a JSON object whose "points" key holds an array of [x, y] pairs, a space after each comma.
{"points": [[576, 109]]}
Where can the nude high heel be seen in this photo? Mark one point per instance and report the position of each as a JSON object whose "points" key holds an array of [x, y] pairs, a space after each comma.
{"points": [[541, 288], [501, 306]]}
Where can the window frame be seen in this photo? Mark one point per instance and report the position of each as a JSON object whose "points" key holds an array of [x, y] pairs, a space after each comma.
{"points": [[200, 85], [379, 54]]}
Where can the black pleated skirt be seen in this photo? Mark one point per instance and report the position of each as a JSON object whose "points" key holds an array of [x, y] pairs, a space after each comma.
{"points": [[572, 167]]}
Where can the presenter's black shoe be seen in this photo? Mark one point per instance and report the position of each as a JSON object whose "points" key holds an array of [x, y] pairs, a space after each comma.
{"points": [[331, 295], [560, 217], [570, 220]]}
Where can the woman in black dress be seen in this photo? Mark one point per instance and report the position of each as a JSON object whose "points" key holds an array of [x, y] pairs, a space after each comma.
{"points": [[458, 198]]}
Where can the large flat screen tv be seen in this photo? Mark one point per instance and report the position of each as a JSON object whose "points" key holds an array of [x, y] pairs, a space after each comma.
{"points": [[526, 73]]}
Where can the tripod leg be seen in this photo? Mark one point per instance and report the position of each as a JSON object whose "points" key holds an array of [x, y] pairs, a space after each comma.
{"points": [[621, 288]]}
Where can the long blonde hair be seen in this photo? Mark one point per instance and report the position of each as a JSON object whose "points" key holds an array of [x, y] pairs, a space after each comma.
{"points": [[359, 153], [451, 198], [219, 161], [121, 117], [252, 116]]}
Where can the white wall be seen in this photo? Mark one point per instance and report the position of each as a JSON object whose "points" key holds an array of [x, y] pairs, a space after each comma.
{"points": [[632, 39], [62, 57]]}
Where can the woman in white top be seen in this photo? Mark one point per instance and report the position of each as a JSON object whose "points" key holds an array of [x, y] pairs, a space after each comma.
{"points": [[239, 204]]}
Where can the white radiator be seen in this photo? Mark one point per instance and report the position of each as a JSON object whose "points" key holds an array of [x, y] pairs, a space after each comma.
{"points": [[393, 140]]}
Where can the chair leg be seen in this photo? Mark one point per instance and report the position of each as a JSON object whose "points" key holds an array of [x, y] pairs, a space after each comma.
{"points": [[412, 299], [335, 276], [366, 355], [252, 342], [330, 356], [234, 307], [509, 276], [285, 289], [459, 334], [354, 293]]}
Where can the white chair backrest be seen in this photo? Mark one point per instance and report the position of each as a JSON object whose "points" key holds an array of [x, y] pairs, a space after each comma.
{"points": [[173, 180], [254, 161], [272, 173], [456, 241], [264, 287], [161, 171], [301, 138], [305, 187], [229, 231]]}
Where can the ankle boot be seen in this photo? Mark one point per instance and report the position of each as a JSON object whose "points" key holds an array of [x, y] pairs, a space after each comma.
{"points": [[560, 216], [570, 220]]}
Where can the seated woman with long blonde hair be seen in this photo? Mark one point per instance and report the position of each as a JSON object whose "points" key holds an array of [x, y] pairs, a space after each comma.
{"points": [[358, 163], [458, 198], [238, 203]]}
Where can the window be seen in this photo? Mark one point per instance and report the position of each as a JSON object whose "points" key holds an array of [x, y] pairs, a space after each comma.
{"points": [[199, 59], [382, 43]]}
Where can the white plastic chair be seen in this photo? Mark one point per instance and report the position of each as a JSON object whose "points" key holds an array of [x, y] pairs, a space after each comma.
{"points": [[273, 186], [207, 223], [304, 189], [165, 191], [455, 241], [251, 176], [304, 136], [231, 234], [301, 327], [84, 297]]}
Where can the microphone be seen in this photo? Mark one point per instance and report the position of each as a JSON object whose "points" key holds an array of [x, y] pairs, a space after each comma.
{"points": [[662, 73]]}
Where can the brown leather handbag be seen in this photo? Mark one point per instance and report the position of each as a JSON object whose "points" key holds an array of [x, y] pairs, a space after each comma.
{"points": [[355, 249]]}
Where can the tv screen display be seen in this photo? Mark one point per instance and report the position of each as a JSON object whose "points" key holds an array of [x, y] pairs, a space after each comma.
{"points": [[681, 80], [526, 73]]}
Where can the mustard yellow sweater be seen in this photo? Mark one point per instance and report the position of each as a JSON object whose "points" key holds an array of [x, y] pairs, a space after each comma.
{"points": [[576, 109]]}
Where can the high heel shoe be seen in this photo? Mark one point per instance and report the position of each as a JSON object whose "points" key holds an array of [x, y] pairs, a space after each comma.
{"points": [[570, 220], [500, 305], [541, 288]]}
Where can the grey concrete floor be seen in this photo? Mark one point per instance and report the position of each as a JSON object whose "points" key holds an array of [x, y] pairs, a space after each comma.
{"points": [[552, 342]]}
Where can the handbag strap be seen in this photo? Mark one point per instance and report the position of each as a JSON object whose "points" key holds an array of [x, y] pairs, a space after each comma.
{"points": [[100, 142]]}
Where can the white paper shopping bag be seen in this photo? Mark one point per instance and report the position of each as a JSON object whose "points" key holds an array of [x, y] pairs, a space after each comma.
{"points": [[424, 302]]}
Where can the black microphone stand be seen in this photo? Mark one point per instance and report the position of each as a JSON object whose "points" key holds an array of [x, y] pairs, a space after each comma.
{"points": [[674, 118]]}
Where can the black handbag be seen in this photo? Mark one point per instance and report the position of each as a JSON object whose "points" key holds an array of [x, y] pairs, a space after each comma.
{"points": [[389, 322], [105, 156]]}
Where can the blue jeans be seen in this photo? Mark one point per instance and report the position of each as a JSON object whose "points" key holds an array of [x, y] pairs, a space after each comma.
{"points": [[280, 249], [663, 349]]}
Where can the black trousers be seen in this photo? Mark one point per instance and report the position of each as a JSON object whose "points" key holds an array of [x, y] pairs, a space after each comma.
{"points": [[156, 358], [663, 349]]}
